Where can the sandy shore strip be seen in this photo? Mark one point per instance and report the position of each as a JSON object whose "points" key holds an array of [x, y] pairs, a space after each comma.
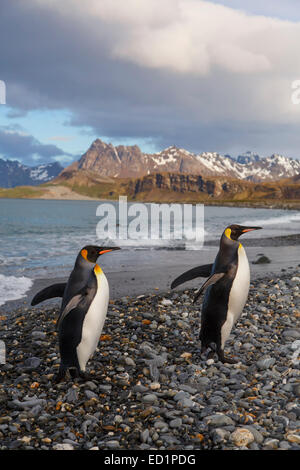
{"points": [[64, 193], [149, 388]]}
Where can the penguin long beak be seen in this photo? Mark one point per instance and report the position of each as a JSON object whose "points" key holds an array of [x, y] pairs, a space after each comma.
{"points": [[250, 229], [108, 249]]}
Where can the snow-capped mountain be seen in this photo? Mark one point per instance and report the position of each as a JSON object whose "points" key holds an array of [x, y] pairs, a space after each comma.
{"points": [[13, 173], [248, 157], [129, 161]]}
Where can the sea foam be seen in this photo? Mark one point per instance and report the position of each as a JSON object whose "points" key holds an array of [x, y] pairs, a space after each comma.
{"points": [[13, 288], [277, 220]]}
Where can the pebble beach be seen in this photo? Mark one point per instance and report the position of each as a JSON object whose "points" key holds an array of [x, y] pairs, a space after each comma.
{"points": [[148, 386]]}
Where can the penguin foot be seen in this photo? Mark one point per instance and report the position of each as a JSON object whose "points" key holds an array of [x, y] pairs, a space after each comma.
{"points": [[66, 373], [211, 354], [59, 376], [85, 376], [229, 360], [224, 359], [74, 373]]}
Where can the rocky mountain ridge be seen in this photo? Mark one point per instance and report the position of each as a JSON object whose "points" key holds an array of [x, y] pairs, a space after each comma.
{"points": [[106, 160], [14, 173]]}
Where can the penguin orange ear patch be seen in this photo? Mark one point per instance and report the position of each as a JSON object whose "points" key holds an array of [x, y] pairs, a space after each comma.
{"points": [[228, 233], [84, 254]]}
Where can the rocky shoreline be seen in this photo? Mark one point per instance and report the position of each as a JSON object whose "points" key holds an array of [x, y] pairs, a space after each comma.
{"points": [[148, 386]]}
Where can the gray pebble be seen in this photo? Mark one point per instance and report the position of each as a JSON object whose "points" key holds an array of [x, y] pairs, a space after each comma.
{"points": [[265, 363], [176, 423], [257, 435], [186, 403], [284, 445], [144, 436], [91, 385], [296, 390], [129, 362], [161, 425], [71, 396], [216, 400], [105, 388], [140, 389], [31, 363], [149, 398], [64, 446], [113, 444], [220, 435], [89, 394], [38, 334], [169, 439], [203, 383], [219, 420], [291, 333], [188, 388], [28, 403], [181, 395]]}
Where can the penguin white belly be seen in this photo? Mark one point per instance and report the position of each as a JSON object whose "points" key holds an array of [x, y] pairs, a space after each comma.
{"points": [[238, 294], [93, 322]]}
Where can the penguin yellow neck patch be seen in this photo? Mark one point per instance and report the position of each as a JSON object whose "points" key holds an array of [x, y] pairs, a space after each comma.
{"points": [[97, 269], [84, 254], [228, 233]]}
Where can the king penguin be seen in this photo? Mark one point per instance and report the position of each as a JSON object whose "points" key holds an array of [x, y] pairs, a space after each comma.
{"points": [[82, 316], [226, 289]]}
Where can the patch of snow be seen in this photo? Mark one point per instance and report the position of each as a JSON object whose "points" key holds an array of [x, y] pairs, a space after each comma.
{"points": [[39, 174]]}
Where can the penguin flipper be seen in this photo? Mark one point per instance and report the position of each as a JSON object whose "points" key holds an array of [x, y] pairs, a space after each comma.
{"points": [[55, 290], [199, 271], [210, 281], [71, 305]]}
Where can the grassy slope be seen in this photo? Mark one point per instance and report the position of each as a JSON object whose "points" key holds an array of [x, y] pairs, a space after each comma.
{"points": [[22, 192], [249, 194]]}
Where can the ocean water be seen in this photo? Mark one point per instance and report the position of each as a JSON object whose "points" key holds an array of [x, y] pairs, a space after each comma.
{"points": [[41, 238]]}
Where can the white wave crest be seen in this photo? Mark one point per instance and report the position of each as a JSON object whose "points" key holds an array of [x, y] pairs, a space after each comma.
{"points": [[13, 288], [282, 219]]}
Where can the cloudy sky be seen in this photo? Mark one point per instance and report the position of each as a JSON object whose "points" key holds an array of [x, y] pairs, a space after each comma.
{"points": [[203, 75]]}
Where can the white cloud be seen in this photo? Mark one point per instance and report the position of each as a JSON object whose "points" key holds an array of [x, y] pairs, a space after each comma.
{"points": [[187, 36], [188, 72], [62, 138]]}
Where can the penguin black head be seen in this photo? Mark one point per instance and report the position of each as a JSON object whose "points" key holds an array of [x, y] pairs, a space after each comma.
{"points": [[91, 252], [233, 232]]}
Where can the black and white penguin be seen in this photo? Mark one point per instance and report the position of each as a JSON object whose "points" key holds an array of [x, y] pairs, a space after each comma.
{"points": [[83, 310], [227, 289], [80, 324]]}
